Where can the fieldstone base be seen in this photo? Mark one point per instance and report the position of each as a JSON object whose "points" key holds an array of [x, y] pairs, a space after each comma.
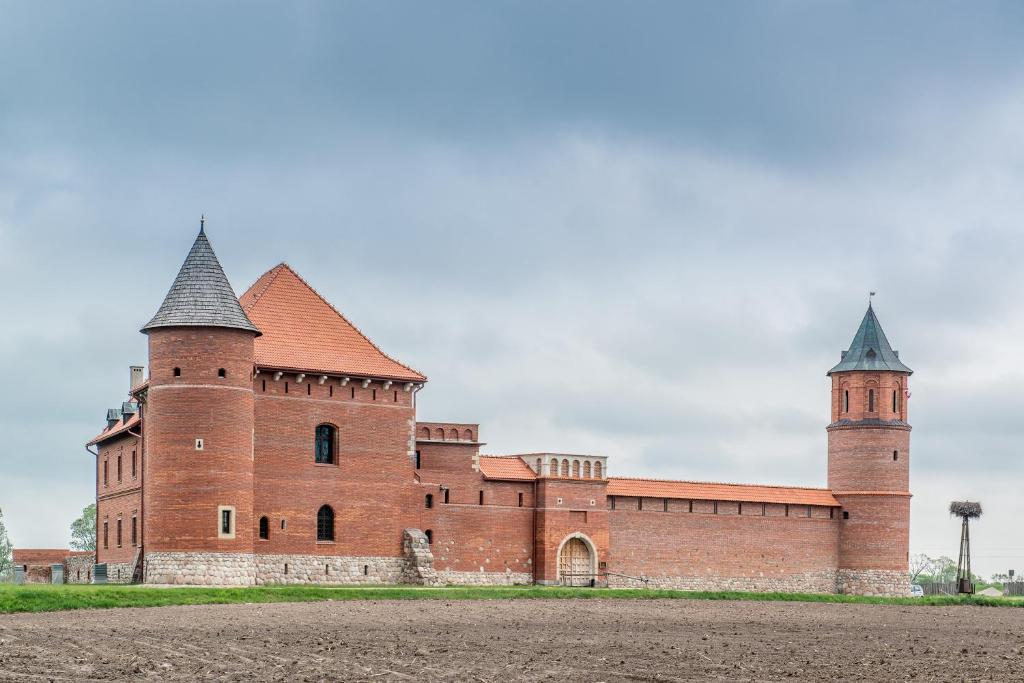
{"points": [[198, 569], [306, 569], [874, 582], [823, 581], [78, 568], [119, 572], [419, 558], [507, 578]]}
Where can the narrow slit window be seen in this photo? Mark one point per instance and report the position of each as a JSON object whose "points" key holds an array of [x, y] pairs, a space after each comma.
{"points": [[286, 387], [118, 532], [846, 401], [353, 392], [895, 456], [135, 531], [895, 402], [106, 534], [481, 497], [520, 499], [446, 496], [309, 389], [330, 391], [871, 400]]}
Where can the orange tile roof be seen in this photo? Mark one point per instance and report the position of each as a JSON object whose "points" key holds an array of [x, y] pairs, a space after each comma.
{"points": [[118, 428], [39, 555], [506, 467], [695, 490], [302, 331]]}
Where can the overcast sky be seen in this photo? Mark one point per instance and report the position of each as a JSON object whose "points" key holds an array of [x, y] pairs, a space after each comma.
{"points": [[643, 230]]}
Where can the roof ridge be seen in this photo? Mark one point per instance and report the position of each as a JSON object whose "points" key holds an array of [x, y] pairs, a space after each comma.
{"points": [[342, 316], [255, 296], [721, 483]]}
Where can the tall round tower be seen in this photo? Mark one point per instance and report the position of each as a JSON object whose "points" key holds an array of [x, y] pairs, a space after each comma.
{"points": [[198, 431], [869, 463]]}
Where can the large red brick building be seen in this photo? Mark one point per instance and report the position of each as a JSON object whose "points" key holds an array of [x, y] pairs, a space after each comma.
{"points": [[273, 442]]}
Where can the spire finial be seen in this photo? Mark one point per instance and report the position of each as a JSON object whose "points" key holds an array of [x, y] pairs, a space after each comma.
{"points": [[202, 225]]}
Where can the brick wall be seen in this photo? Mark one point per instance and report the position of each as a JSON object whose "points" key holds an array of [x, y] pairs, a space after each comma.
{"points": [[727, 549]]}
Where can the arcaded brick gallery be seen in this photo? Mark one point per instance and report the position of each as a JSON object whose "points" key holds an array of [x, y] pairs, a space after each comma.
{"points": [[274, 443]]}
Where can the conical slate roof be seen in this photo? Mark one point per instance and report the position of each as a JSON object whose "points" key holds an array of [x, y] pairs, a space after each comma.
{"points": [[201, 295], [870, 350]]}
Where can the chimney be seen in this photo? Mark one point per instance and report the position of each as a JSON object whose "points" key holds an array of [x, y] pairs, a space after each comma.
{"points": [[136, 377]]}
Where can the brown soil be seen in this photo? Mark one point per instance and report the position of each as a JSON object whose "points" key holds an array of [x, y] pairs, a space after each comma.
{"points": [[535, 640]]}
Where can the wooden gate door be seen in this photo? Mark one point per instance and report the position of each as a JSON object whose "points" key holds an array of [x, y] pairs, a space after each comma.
{"points": [[574, 563]]}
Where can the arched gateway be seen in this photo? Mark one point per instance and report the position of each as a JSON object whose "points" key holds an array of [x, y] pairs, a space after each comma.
{"points": [[576, 561]]}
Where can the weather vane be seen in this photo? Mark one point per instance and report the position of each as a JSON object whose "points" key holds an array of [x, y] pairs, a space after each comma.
{"points": [[202, 222], [871, 295]]}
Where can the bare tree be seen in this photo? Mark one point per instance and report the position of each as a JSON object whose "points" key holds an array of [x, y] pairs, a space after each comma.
{"points": [[6, 548], [920, 564]]}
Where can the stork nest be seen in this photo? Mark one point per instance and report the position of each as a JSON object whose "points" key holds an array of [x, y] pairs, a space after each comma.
{"points": [[965, 508]]}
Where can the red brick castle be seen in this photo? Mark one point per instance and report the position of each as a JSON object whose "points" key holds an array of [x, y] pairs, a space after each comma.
{"points": [[274, 443]]}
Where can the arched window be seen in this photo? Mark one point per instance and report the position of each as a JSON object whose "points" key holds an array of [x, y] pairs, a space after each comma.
{"points": [[597, 470], [264, 528], [586, 469], [575, 469], [565, 468], [325, 523], [325, 444], [539, 466], [554, 468], [871, 400], [439, 434], [425, 433], [453, 435], [468, 435]]}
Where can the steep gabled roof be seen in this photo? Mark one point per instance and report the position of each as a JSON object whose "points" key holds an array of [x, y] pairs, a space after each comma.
{"points": [[201, 295], [870, 350], [702, 490], [505, 468], [302, 331]]}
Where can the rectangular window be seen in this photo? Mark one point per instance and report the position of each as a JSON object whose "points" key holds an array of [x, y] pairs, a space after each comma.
{"points": [[135, 531], [871, 400], [418, 461], [105, 480], [118, 532], [520, 499], [135, 465], [106, 535], [119, 469], [612, 501], [226, 521]]}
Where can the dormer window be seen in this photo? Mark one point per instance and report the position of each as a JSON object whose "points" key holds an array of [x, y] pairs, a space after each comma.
{"points": [[870, 355]]}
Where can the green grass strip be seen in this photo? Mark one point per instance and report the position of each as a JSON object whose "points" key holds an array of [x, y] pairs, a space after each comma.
{"points": [[48, 598]]}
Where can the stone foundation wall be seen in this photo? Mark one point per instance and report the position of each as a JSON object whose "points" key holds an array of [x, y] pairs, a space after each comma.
{"points": [[822, 581], [78, 569], [874, 582], [200, 568], [507, 578], [307, 569], [120, 572]]}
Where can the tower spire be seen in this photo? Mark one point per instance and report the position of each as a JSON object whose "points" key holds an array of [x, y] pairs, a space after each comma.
{"points": [[201, 295], [870, 350]]}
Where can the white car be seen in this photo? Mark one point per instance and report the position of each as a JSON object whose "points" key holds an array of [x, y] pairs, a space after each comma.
{"points": [[916, 591]]}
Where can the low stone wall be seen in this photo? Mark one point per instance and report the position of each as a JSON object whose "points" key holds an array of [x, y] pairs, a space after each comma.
{"points": [[120, 572], [78, 568], [823, 581], [874, 582], [484, 578], [199, 568], [307, 569]]}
